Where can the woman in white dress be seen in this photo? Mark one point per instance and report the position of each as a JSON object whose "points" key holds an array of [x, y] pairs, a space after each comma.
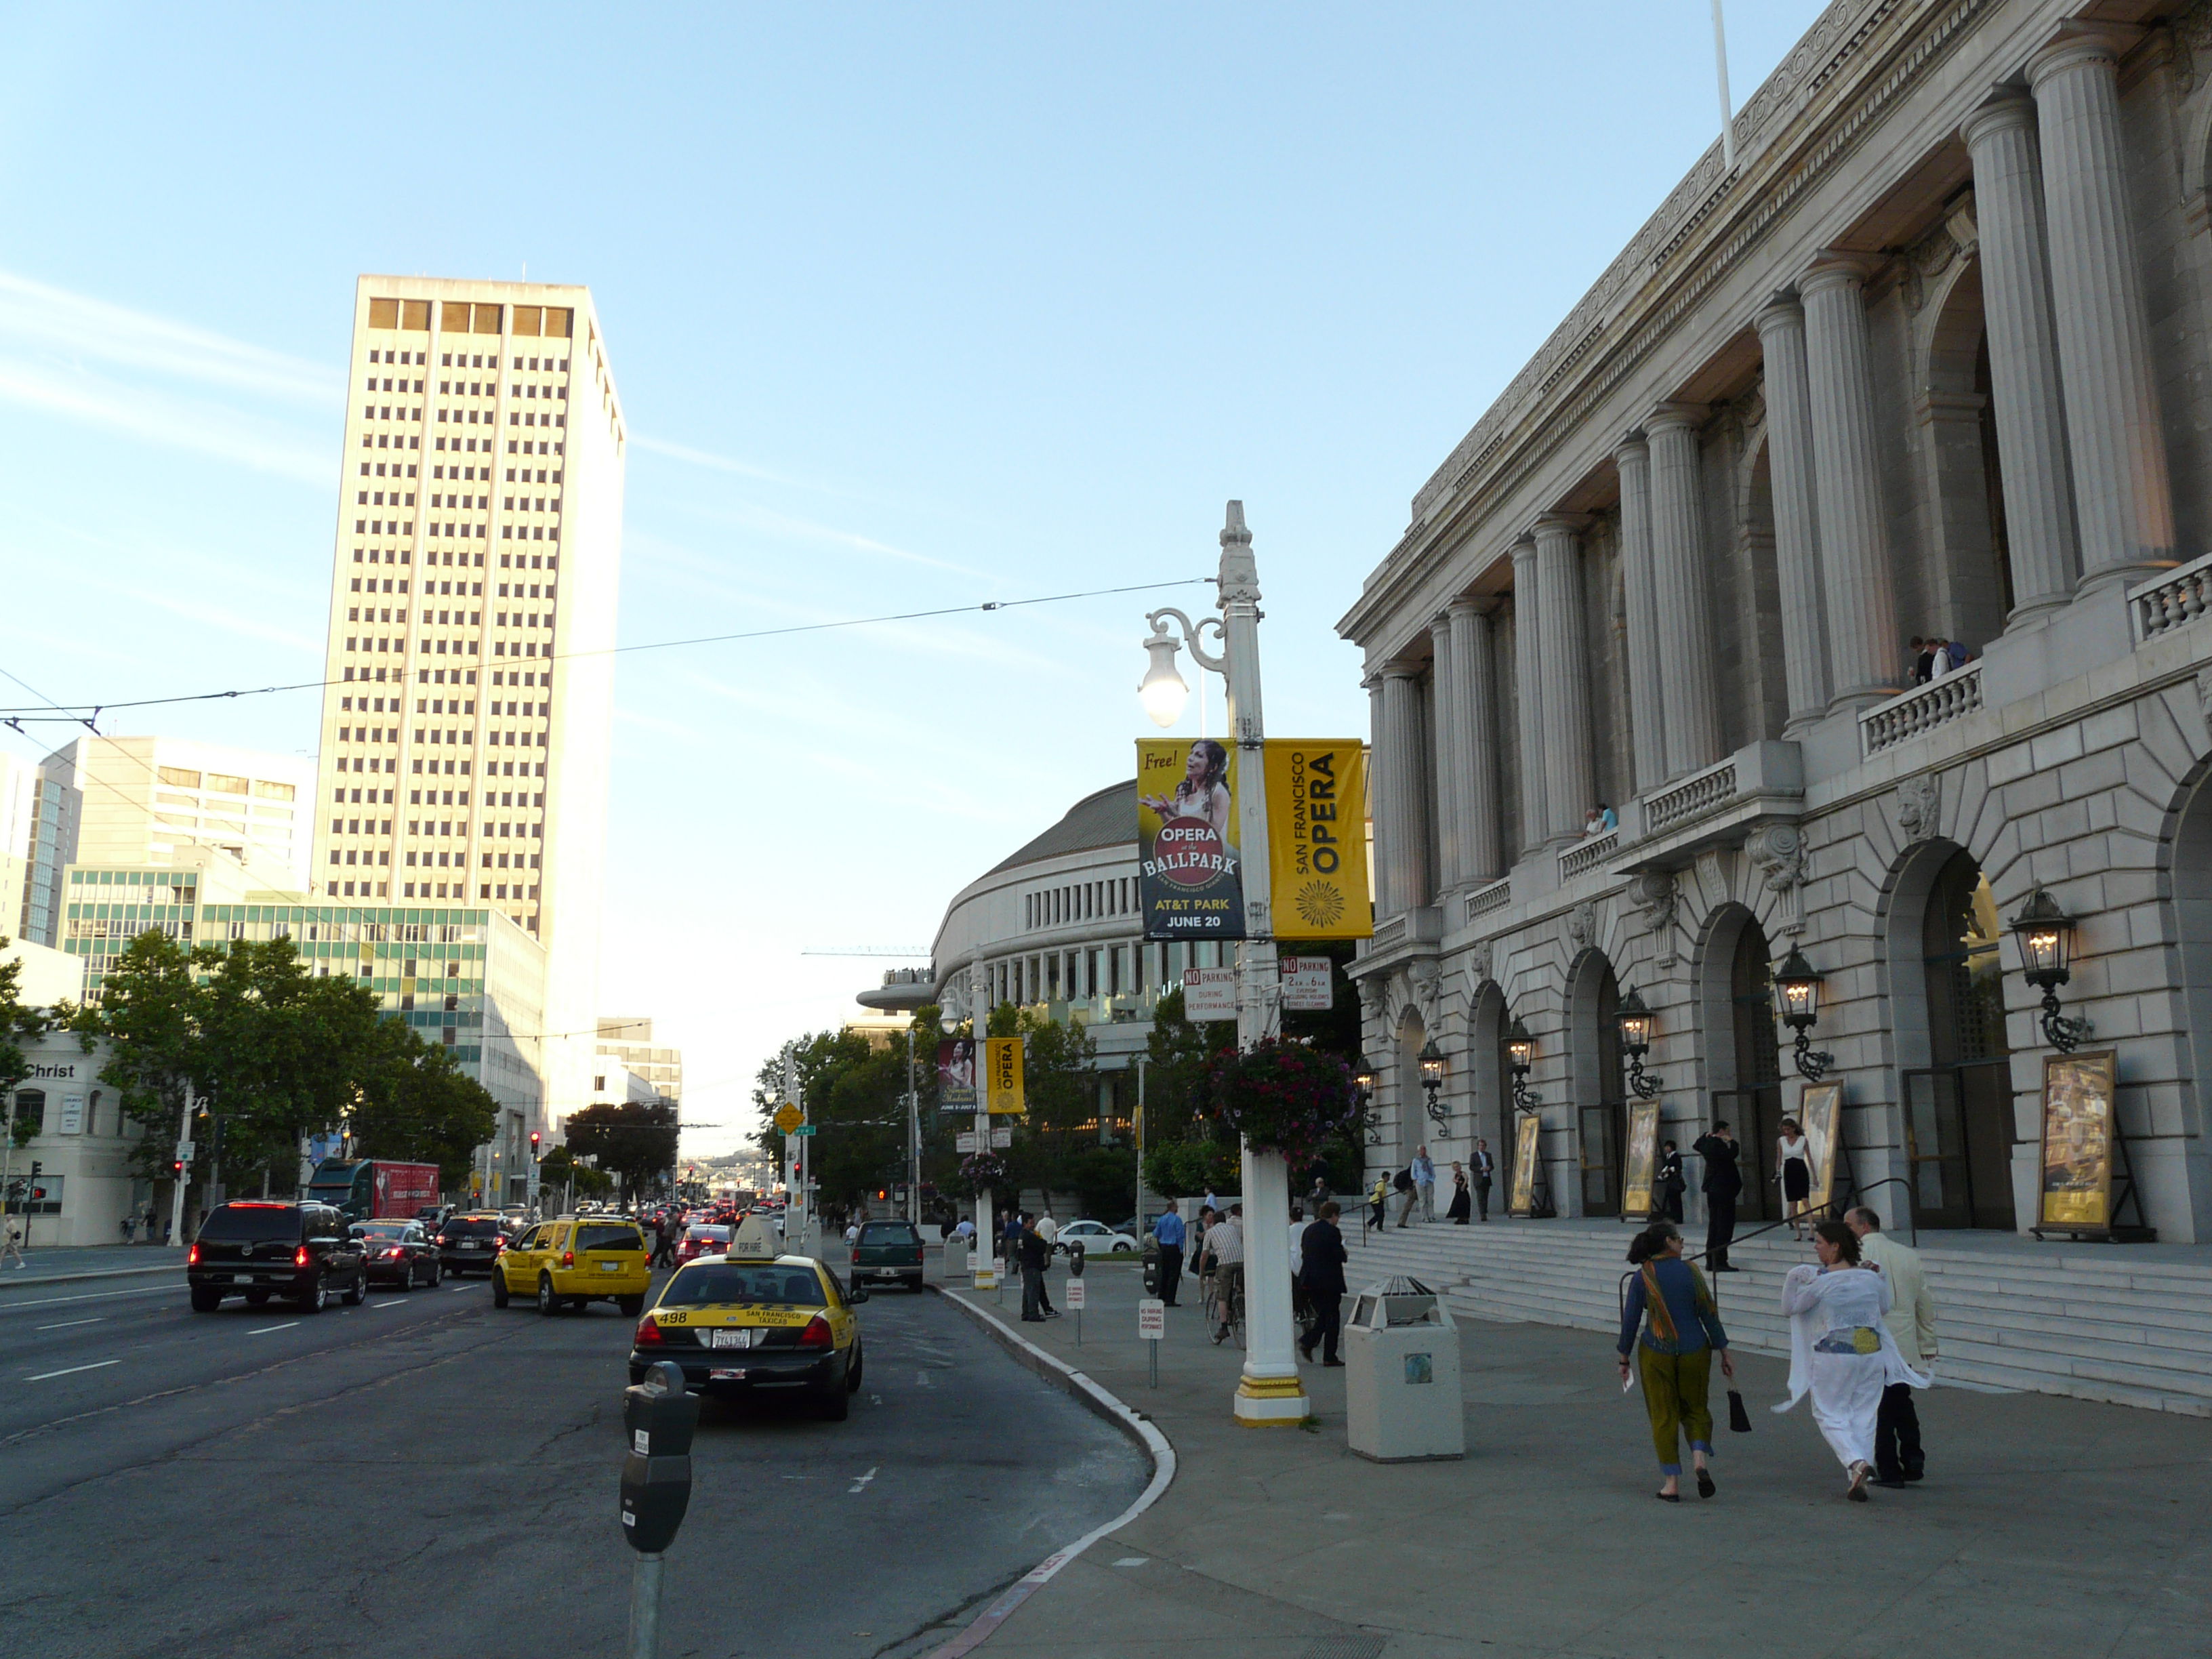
{"points": [[1840, 1349], [1792, 1172]]}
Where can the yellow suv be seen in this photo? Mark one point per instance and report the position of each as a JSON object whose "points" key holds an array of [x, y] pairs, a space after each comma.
{"points": [[573, 1260]]}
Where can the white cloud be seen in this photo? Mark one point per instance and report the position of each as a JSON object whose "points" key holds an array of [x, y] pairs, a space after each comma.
{"points": [[692, 457], [160, 417]]}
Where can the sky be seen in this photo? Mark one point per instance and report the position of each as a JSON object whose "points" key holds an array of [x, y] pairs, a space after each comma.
{"points": [[909, 307]]}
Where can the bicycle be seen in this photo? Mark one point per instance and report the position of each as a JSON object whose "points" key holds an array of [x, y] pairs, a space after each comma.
{"points": [[1226, 1316]]}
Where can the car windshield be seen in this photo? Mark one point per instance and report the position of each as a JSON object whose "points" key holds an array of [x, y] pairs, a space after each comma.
{"points": [[888, 1232], [382, 1229], [719, 1282], [608, 1238], [709, 1234], [482, 1227], [252, 1222]]}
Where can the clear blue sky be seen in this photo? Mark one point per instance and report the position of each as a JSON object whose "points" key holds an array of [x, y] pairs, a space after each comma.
{"points": [[909, 306]]}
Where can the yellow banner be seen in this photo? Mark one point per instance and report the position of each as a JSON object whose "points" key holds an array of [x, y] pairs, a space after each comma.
{"points": [[1002, 1062], [1317, 838]]}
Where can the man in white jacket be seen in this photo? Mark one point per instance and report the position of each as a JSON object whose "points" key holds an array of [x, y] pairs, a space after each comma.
{"points": [[1899, 1460]]}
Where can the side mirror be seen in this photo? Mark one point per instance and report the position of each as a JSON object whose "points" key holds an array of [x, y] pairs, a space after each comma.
{"points": [[855, 1295]]}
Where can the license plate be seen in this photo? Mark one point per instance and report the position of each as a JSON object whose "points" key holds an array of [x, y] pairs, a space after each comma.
{"points": [[741, 1337], [472, 1247], [727, 1375], [241, 1279]]}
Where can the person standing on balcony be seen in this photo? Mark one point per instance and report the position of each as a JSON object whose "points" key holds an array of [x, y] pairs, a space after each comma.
{"points": [[1721, 1186], [1680, 1327]]}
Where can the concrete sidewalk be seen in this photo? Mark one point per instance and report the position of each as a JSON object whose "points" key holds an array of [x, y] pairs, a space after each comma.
{"points": [[2045, 1525], [44, 1265]]}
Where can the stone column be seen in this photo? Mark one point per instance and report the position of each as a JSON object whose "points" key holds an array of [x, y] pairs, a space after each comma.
{"points": [[2122, 495], [1475, 695], [1378, 795], [1646, 717], [1449, 753], [1688, 687], [1864, 653], [1528, 694], [1407, 798], [1570, 780], [2024, 383], [1796, 524]]}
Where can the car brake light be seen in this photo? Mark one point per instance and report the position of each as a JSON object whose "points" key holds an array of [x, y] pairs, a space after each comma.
{"points": [[856, 1256], [816, 1333], [395, 1253], [568, 1258], [300, 1256], [193, 1259]]}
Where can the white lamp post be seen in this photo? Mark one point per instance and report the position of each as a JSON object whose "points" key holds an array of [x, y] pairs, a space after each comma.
{"points": [[1270, 1391]]}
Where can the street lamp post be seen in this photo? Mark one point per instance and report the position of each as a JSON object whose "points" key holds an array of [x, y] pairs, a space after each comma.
{"points": [[1799, 984], [1269, 1392], [1635, 1019], [2046, 957], [1431, 1059]]}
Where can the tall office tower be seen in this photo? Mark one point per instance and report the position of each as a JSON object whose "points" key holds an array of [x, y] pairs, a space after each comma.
{"points": [[19, 805], [467, 726], [628, 1039]]}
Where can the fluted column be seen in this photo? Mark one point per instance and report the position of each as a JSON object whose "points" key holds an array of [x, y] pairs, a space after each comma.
{"points": [[1474, 698], [1528, 694], [2123, 496], [1378, 795], [1449, 751], [1570, 780], [1406, 782], [1863, 649], [1646, 718], [1688, 685], [1796, 522], [2027, 400]]}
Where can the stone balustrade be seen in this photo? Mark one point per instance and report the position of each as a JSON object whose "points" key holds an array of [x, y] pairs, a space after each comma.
{"points": [[1691, 798], [1588, 854], [1484, 900], [1921, 709], [2172, 599]]}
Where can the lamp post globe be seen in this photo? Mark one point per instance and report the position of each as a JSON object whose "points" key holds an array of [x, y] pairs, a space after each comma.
{"points": [[1163, 692]]}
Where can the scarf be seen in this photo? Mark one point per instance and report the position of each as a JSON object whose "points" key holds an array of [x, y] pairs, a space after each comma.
{"points": [[1655, 1301]]}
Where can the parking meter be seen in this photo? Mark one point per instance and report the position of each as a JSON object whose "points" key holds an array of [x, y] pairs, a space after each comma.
{"points": [[659, 1415], [1152, 1264], [1075, 1260]]}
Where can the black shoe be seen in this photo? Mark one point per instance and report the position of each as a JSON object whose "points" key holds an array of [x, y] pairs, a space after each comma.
{"points": [[1725, 1268], [1894, 1481], [1705, 1487], [1339, 1364], [1305, 1354], [1032, 1319], [1912, 1474], [1667, 1497]]}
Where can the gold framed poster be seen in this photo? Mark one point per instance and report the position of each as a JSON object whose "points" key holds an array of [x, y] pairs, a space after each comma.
{"points": [[2077, 1186], [1527, 1132], [1642, 1160], [1820, 1115]]}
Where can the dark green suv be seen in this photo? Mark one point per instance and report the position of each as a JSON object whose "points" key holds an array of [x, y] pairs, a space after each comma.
{"points": [[887, 1249]]}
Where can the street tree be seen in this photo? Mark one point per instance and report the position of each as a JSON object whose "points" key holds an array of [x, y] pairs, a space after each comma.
{"points": [[634, 1140]]}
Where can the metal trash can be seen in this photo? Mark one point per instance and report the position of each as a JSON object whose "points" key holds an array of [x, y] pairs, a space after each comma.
{"points": [[1401, 1389]]}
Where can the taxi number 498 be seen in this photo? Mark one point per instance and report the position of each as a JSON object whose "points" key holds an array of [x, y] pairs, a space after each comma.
{"points": [[740, 1337]]}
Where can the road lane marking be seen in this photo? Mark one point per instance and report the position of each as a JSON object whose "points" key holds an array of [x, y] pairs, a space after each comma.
{"points": [[457, 1290], [66, 1323], [71, 1370], [10, 1307], [859, 1483], [921, 1379], [263, 1330], [1132, 1561]]}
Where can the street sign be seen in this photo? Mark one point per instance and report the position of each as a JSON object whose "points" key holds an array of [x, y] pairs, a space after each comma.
{"points": [[1076, 1293], [185, 1150], [1001, 1135], [964, 1141], [1151, 1319], [1209, 993], [1308, 987], [803, 1129], [788, 1117]]}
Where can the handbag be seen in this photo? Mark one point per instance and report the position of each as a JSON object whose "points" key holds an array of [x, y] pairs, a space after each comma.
{"points": [[1738, 1419]]}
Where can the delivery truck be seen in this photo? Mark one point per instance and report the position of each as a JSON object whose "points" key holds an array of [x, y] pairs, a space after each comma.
{"points": [[362, 1188]]}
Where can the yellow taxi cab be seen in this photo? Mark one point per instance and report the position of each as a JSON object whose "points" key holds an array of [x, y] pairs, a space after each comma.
{"points": [[756, 1322], [572, 1261]]}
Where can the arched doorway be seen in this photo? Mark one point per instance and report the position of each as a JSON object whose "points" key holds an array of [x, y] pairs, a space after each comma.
{"points": [[1412, 1036], [1490, 1101], [1594, 1034], [1747, 1070], [1958, 1120]]}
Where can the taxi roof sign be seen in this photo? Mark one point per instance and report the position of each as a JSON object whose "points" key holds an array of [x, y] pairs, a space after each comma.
{"points": [[755, 1240]]}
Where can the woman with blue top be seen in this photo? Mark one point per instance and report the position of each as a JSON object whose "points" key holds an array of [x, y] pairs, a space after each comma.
{"points": [[1682, 1329]]}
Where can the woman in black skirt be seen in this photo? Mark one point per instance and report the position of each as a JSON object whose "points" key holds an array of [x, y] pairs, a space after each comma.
{"points": [[1463, 1198], [1793, 1167]]}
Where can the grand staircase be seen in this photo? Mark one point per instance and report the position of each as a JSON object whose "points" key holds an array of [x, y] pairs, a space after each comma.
{"points": [[2131, 1324]]}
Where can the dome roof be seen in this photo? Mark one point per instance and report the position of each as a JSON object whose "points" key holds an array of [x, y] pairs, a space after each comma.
{"points": [[1107, 817]]}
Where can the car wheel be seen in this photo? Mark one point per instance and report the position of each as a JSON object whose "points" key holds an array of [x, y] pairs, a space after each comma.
{"points": [[437, 1274], [315, 1301], [915, 1283], [548, 1303], [835, 1403], [206, 1299], [498, 1288], [853, 1370], [255, 1298], [1124, 1249], [632, 1306], [359, 1293]]}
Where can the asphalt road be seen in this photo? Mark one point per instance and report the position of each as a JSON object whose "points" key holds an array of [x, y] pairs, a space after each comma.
{"points": [[428, 1474]]}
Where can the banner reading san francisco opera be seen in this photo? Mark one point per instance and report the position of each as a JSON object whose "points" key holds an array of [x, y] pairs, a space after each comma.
{"points": [[1190, 876], [1317, 838]]}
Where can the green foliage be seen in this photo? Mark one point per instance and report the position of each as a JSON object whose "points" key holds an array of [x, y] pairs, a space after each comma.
{"points": [[1280, 1096], [417, 1105], [559, 1167], [16, 1023], [1184, 1169], [635, 1140], [1104, 1179], [1179, 1054]]}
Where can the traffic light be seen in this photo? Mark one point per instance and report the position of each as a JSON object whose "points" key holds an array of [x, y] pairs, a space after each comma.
{"points": [[177, 1168], [533, 1142], [37, 1169]]}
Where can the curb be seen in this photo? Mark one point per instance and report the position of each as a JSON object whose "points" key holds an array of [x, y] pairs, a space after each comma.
{"points": [[11, 1284], [1155, 1445]]}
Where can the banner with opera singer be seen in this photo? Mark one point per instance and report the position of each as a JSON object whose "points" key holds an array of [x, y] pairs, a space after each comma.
{"points": [[1190, 876], [1317, 838]]}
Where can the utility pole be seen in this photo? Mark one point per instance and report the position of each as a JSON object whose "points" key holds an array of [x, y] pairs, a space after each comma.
{"points": [[185, 1150], [913, 1133], [984, 1276]]}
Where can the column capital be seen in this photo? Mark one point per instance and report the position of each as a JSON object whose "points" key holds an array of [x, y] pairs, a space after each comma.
{"points": [[2078, 42], [1524, 548], [1440, 624], [1782, 310], [1833, 269], [2008, 108], [1634, 445], [1676, 417], [1403, 671], [1472, 604], [1559, 523]]}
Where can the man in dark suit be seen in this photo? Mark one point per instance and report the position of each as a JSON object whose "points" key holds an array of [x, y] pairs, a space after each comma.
{"points": [[1325, 1256], [1484, 1172], [1721, 1186]]}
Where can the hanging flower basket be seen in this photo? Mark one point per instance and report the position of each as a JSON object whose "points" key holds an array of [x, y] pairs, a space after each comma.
{"points": [[981, 1172], [1283, 1096]]}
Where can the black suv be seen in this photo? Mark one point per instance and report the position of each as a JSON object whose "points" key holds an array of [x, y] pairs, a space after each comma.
{"points": [[260, 1248], [470, 1242]]}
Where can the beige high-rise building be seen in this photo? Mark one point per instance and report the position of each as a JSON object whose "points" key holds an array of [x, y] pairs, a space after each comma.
{"points": [[467, 726]]}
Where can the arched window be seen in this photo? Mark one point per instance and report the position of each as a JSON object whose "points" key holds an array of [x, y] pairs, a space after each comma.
{"points": [[1958, 1110], [1599, 1111], [1755, 1110]]}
